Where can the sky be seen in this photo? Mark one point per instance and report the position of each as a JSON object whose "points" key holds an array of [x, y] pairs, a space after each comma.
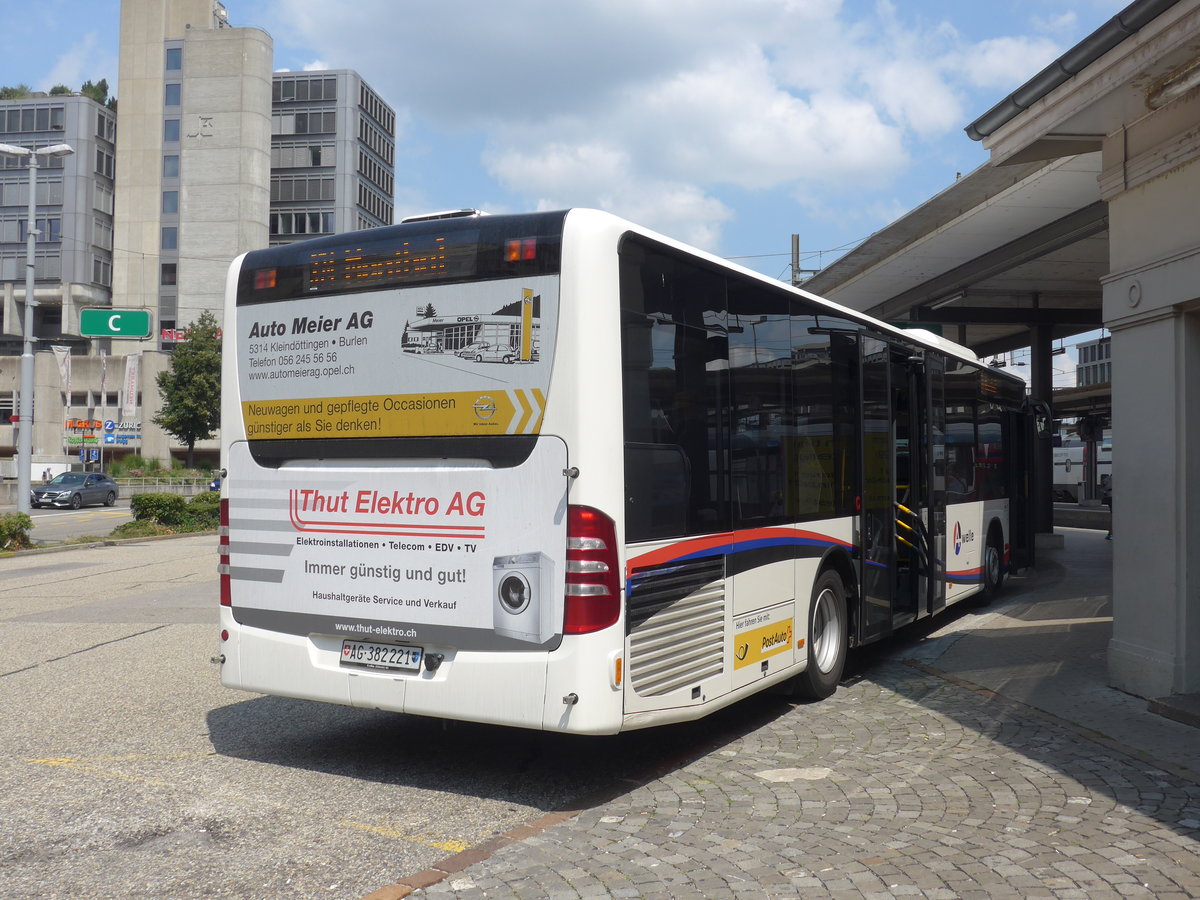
{"points": [[729, 124]]}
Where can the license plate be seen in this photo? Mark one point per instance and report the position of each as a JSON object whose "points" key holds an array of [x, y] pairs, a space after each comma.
{"points": [[380, 656]]}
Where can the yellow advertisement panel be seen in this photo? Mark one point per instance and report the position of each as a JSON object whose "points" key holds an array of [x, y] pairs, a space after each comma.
{"points": [[406, 415], [754, 645], [434, 361]]}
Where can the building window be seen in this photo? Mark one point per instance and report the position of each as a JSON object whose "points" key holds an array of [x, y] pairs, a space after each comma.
{"points": [[102, 232], [170, 202], [304, 89], [171, 94], [174, 58], [103, 199], [301, 222], [104, 163], [101, 271], [106, 127], [170, 238], [49, 230], [170, 167], [168, 274], [285, 188], [171, 130]]}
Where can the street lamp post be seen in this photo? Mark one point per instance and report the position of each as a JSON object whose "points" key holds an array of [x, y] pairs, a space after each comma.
{"points": [[25, 438]]}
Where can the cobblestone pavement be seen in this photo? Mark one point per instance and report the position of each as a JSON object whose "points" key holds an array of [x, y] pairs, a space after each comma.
{"points": [[904, 784]]}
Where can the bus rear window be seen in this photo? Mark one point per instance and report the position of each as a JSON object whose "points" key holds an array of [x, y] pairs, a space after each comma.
{"points": [[408, 255]]}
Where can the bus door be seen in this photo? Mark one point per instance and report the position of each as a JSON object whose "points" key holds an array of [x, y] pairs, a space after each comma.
{"points": [[918, 414], [902, 518], [909, 486], [934, 372], [876, 526]]}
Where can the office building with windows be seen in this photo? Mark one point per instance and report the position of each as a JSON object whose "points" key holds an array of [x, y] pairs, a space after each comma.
{"points": [[333, 154], [1095, 362], [74, 219], [73, 247]]}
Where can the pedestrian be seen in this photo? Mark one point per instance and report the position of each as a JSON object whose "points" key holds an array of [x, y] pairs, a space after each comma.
{"points": [[45, 476]]}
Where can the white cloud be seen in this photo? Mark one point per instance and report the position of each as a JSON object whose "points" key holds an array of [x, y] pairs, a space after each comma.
{"points": [[916, 95], [599, 175], [1064, 23], [1005, 63], [86, 60], [658, 108]]}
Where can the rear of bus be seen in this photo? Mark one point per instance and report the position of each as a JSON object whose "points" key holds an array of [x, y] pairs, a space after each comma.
{"points": [[422, 479]]}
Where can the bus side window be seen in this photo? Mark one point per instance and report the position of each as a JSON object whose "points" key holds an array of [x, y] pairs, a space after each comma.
{"points": [[657, 489]]}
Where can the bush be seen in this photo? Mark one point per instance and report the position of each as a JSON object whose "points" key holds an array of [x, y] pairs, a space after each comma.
{"points": [[204, 511], [144, 528], [163, 509], [14, 532], [176, 513]]}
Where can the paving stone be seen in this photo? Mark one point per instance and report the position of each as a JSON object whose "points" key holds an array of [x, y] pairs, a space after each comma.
{"points": [[946, 795]]}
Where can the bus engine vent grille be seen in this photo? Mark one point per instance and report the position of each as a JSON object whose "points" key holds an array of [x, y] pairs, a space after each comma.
{"points": [[676, 625]]}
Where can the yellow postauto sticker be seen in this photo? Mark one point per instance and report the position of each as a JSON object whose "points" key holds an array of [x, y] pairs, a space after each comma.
{"points": [[517, 411], [760, 643]]}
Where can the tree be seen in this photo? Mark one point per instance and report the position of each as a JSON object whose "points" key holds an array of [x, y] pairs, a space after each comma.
{"points": [[16, 92], [60, 89], [191, 386], [97, 91], [427, 312]]}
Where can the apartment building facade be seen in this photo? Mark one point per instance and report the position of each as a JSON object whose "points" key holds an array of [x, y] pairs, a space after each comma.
{"points": [[333, 154]]}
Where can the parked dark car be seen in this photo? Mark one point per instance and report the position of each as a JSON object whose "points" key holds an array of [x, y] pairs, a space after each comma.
{"points": [[75, 489]]}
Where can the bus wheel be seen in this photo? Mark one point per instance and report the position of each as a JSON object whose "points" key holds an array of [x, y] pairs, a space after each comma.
{"points": [[993, 566], [827, 630]]}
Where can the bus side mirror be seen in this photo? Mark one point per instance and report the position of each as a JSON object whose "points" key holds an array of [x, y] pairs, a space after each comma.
{"points": [[1043, 419]]}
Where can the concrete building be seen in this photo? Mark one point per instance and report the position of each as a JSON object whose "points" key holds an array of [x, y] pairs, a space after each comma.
{"points": [[1095, 362], [333, 155], [193, 158]]}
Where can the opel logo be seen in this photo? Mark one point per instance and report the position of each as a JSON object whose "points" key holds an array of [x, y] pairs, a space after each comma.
{"points": [[485, 408]]}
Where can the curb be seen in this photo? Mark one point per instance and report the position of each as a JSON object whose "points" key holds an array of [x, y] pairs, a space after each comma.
{"points": [[101, 542]]}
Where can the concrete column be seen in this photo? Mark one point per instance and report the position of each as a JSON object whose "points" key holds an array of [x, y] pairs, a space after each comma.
{"points": [[1041, 388], [70, 309], [47, 407], [156, 443], [1151, 517], [12, 313]]}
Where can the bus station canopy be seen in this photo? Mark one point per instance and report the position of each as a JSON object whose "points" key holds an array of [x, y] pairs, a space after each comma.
{"points": [[1000, 250]]}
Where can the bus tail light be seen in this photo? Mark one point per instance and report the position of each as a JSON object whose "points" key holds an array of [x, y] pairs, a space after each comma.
{"points": [[520, 250], [223, 550], [593, 592]]}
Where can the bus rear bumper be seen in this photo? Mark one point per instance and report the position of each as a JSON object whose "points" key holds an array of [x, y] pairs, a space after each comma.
{"points": [[491, 688]]}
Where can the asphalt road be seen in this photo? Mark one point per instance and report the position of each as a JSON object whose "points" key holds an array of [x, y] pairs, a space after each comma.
{"points": [[51, 526], [127, 771]]}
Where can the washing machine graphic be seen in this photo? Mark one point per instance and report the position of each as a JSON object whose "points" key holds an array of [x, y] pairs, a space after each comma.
{"points": [[522, 599]]}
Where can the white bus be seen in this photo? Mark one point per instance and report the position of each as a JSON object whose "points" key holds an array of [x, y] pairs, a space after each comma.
{"points": [[674, 484]]}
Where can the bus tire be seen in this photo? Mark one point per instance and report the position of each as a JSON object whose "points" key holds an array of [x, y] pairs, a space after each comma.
{"points": [[827, 638], [993, 565]]}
